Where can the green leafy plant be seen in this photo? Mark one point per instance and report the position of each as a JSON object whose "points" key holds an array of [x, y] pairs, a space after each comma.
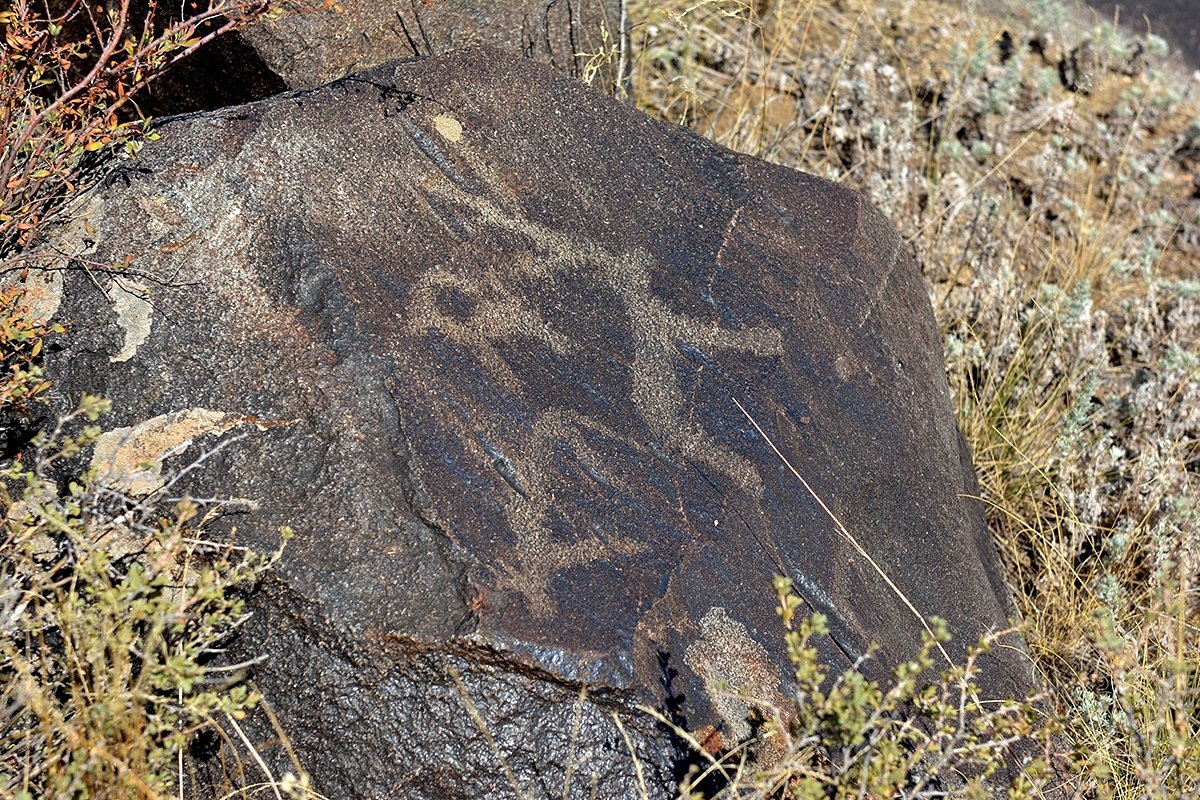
{"points": [[21, 340], [921, 734], [70, 74], [111, 608]]}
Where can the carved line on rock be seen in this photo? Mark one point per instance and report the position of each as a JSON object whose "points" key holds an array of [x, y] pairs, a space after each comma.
{"points": [[502, 311]]}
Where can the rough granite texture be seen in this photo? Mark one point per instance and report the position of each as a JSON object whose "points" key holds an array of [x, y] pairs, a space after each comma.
{"points": [[484, 329]]}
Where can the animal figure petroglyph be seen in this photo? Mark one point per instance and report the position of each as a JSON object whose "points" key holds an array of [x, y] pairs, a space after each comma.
{"points": [[501, 307]]}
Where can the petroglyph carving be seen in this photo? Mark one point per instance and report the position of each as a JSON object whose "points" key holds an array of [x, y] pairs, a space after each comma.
{"points": [[726, 654], [491, 308], [537, 556]]}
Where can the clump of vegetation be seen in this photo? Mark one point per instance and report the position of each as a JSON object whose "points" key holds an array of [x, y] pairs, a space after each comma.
{"points": [[1043, 173], [70, 75], [922, 735], [21, 340], [110, 609], [111, 606]]}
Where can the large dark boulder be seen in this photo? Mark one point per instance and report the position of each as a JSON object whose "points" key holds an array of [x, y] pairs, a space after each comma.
{"points": [[486, 331], [1175, 20]]}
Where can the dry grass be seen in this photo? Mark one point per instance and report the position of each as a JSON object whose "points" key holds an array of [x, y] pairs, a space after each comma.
{"points": [[1059, 232], [112, 609]]}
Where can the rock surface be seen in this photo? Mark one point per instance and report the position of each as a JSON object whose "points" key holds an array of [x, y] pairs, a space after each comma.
{"points": [[312, 49], [485, 332], [303, 51]]}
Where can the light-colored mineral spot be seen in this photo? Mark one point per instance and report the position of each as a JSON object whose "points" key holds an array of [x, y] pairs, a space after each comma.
{"points": [[450, 128], [727, 653], [17, 516], [134, 315], [130, 459]]}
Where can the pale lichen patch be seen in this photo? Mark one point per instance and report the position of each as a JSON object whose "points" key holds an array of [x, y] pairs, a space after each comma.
{"points": [[43, 291], [134, 315], [450, 128], [727, 654], [130, 459], [43, 285]]}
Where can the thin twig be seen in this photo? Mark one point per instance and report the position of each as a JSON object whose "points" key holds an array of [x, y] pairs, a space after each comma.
{"points": [[256, 756]]}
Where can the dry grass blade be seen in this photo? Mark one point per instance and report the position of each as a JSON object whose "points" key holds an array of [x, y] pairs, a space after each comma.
{"points": [[569, 772], [639, 771], [258, 759], [845, 534], [481, 724]]}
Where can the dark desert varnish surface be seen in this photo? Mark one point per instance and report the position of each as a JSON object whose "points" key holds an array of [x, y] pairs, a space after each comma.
{"points": [[1177, 21]]}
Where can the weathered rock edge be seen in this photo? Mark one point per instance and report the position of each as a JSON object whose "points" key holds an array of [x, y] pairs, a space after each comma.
{"points": [[484, 328], [307, 50]]}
